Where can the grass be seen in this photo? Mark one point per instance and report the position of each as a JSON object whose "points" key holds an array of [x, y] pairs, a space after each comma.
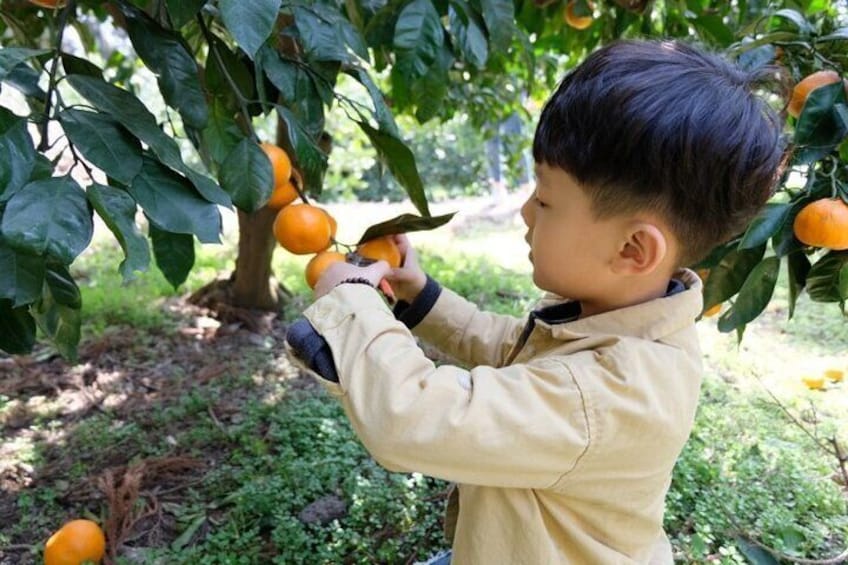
{"points": [[281, 478]]}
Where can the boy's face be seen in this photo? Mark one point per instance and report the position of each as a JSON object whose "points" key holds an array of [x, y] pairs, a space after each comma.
{"points": [[572, 252]]}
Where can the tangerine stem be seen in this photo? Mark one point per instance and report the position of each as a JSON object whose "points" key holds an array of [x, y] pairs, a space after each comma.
{"points": [[54, 66]]}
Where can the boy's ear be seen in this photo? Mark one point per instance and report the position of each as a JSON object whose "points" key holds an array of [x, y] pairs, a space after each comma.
{"points": [[643, 250]]}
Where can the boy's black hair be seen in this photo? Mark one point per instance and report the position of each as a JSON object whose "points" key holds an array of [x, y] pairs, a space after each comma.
{"points": [[650, 125]]}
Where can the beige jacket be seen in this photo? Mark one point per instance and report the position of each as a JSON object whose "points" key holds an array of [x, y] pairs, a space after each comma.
{"points": [[562, 445]]}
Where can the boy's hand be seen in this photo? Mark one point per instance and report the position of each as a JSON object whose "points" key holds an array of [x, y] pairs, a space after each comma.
{"points": [[340, 271], [409, 279]]}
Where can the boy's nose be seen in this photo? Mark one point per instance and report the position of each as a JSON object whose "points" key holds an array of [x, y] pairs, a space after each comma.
{"points": [[527, 212]]}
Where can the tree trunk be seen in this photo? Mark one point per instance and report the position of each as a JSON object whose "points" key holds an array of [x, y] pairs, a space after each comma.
{"points": [[253, 284]]}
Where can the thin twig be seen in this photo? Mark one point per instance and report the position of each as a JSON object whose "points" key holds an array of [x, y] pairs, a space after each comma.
{"points": [[54, 66]]}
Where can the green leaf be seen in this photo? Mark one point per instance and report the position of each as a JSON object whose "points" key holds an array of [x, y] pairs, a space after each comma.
{"points": [[298, 90], [820, 126], [17, 329], [247, 176], [797, 19], [17, 155], [133, 115], [325, 33], [21, 276], [234, 66], [104, 142], [74, 65], [164, 53], [50, 217], [840, 34], [61, 324], [499, 16], [183, 11], [753, 297], [382, 113], [405, 223], [222, 133], [713, 27], [769, 221], [62, 286], [11, 57], [117, 210], [798, 267], [757, 58], [26, 80], [728, 276], [172, 203], [468, 34], [174, 253], [311, 160], [418, 37], [428, 92], [401, 162], [827, 280], [250, 23]]}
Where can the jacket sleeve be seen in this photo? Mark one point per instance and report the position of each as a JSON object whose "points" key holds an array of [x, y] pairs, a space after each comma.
{"points": [[466, 333], [522, 426]]}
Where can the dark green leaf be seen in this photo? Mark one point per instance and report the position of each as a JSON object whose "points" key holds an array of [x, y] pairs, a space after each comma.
{"points": [[11, 57], [753, 297], [769, 221], [104, 142], [418, 36], [233, 65], [74, 65], [26, 80], [298, 91], [309, 157], [796, 18], [49, 216], [827, 280], [840, 34], [183, 11], [728, 276], [468, 34], [133, 115], [798, 267], [401, 162], [325, 33], [61, 324], [820, 127], [175, 68], [428, 92], [21, 276], [172, 203], [62, 286], [174, 254], [17, 329], [757, 57], [247, 176], [222, 133], [499, 16], [382, 114], [117, 210], [17, 155], [405, 223], [250, 22], [713, 27]]}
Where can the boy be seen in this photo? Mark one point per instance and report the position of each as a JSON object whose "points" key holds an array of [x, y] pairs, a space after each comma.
{"points": [[563, 432]]}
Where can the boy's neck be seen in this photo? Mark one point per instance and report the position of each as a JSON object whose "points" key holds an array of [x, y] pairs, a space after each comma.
{"points": [[631, 297]]}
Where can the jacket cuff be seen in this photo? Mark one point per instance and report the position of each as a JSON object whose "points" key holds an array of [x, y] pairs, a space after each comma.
{"points": [[312, 349], [412, 313]]}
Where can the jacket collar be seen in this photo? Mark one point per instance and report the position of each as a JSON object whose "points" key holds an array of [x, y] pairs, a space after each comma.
{"points": [[650, 320]]}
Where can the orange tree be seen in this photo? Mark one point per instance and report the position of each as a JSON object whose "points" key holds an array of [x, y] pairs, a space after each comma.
{"points": [[219, 65]]}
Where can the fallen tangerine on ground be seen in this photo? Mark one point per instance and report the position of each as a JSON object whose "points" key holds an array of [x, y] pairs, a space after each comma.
{"points": [[283, 195], [302, 229], [823, 223], [834, 375], [575, 21], [76, 542], [813, 383], [381, 248], [318, 264], [805, 86], [280, 163]]}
